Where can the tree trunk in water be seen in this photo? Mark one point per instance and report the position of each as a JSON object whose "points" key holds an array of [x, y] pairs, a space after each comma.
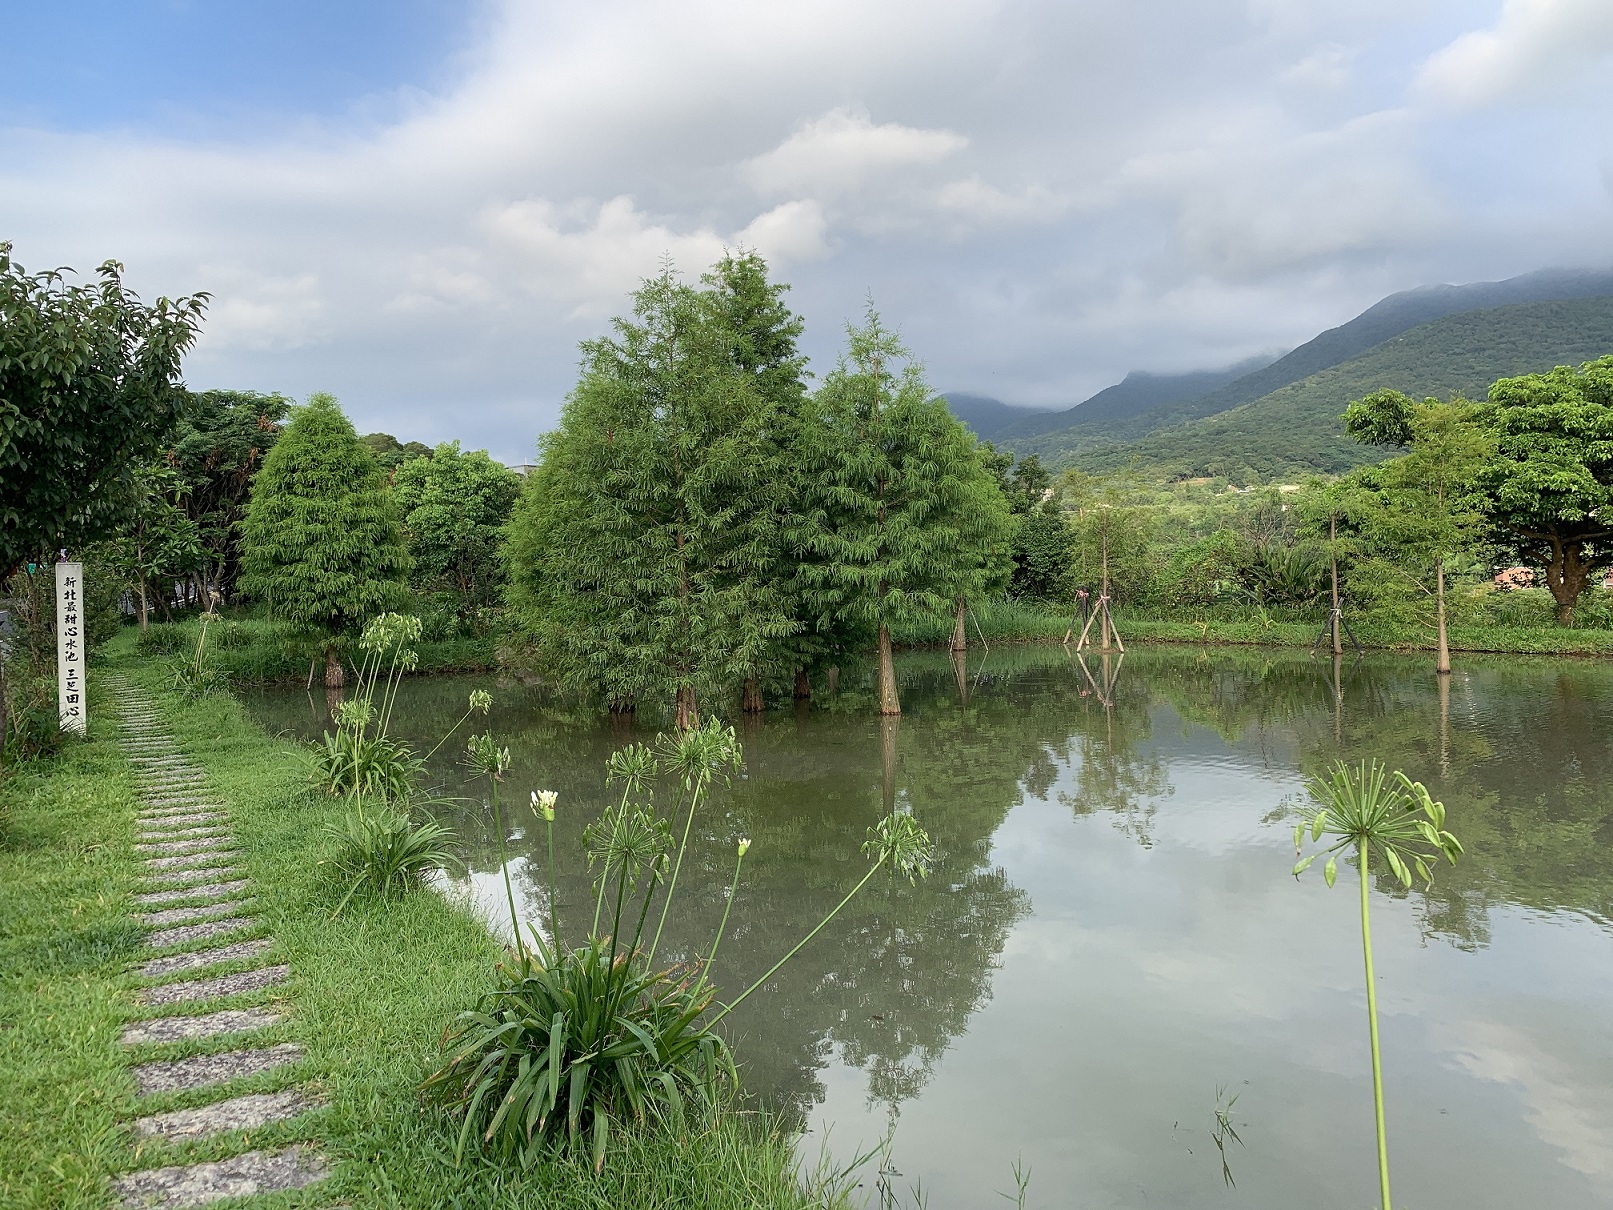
{"points": [[960, 674], [335, 678], [1444, 666], [803, 686], [834, 678], [888, 727], [889, 703], [960, 641], [688, 716], [753, 696], [1445, 726]]}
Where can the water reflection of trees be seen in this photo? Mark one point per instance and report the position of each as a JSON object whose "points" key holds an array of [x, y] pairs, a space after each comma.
{"points": [[1519, 751]]}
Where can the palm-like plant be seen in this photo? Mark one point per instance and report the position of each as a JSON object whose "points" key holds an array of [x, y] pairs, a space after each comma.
{"points": [[1367, 809]]}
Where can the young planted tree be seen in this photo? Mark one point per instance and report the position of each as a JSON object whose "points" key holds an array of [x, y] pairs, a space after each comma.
{"points": [[321, 546], [642, 552], [1429, 506], [454, 507], [1550, 485], [1366, 810], [897, 485]]}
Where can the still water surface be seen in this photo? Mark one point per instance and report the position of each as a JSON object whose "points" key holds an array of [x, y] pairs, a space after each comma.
{"points": [[1111, 942]]}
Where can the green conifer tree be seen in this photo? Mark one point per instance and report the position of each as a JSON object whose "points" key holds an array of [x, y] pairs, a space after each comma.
{"points": [[642, 552], [902, 516], [321, 545]]}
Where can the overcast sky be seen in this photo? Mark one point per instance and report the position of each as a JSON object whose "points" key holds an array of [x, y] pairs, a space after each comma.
{"points": [[423, 206]]}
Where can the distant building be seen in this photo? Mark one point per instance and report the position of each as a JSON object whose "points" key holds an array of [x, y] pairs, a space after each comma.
{"points": [[523, 468]]}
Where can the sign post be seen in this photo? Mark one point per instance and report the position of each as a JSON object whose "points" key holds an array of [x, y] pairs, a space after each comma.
{"points": [[71, 700]]}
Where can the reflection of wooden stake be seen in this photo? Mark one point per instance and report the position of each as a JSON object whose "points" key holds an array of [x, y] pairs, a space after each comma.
{"points": [[1105, 693]]}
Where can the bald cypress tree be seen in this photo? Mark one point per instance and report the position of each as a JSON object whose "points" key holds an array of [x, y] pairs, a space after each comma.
{"points": [[321, 545], [903, 516], [643, 552]]}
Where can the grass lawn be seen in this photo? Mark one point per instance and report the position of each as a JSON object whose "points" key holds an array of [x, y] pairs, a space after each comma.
{"points": [[1041, 622], [369, 996]]}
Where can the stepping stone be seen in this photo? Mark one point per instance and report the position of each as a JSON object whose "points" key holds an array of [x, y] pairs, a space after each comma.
{"points": [[186, 933], [200, 1071], [185, 861], [183, 915], [184, 827], [188, 1185], [196, 845], [177, 1029], [206, 890], [190, 990], [204, 874], [238, 1113], [155, 968], [188, 804]]}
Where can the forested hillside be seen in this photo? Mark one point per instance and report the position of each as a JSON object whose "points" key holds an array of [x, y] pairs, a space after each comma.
{"points": [[1103, 421], [1295, 430]]}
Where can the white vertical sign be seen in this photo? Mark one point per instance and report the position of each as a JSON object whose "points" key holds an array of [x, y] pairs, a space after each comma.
{"points": [[71, 702]]}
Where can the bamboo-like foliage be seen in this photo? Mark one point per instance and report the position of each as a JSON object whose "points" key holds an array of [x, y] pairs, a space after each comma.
{"points": [[1367, 810], [579, 1040]]}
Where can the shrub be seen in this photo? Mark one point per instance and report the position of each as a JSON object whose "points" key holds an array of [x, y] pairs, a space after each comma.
{"points": [[383, 854], [352, 763]]}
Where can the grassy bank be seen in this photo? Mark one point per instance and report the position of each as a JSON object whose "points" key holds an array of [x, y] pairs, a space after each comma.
{"points": [[1027, 622], [369, 997], [256, 651]]}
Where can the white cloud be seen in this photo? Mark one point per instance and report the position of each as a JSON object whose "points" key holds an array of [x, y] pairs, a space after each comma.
{"points": [[1535, 44], [976, 200], [1042, 195], [1325, 68], [843, 150]]}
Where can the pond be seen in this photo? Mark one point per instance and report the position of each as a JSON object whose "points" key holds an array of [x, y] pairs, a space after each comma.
{"points": [[1111, 946]]}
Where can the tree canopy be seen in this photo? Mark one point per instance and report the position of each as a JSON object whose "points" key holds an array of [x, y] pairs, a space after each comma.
{"points": [[89, 389], [321, 545], [454, 505], [218, 445], [642, 551], [905, 513], [1551, 481]]}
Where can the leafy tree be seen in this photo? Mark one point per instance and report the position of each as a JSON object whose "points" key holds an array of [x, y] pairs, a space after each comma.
{"points": [[642, 550], [217, 447], [390, 453], [454, 506], [1043, 552], [897, 486], [1430, 511], [321, 545], [88, 391], [1550, 485], [158, 542]]}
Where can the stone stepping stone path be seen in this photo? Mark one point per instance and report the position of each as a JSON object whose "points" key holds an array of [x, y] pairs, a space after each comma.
{"points": [[195, 899]]}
